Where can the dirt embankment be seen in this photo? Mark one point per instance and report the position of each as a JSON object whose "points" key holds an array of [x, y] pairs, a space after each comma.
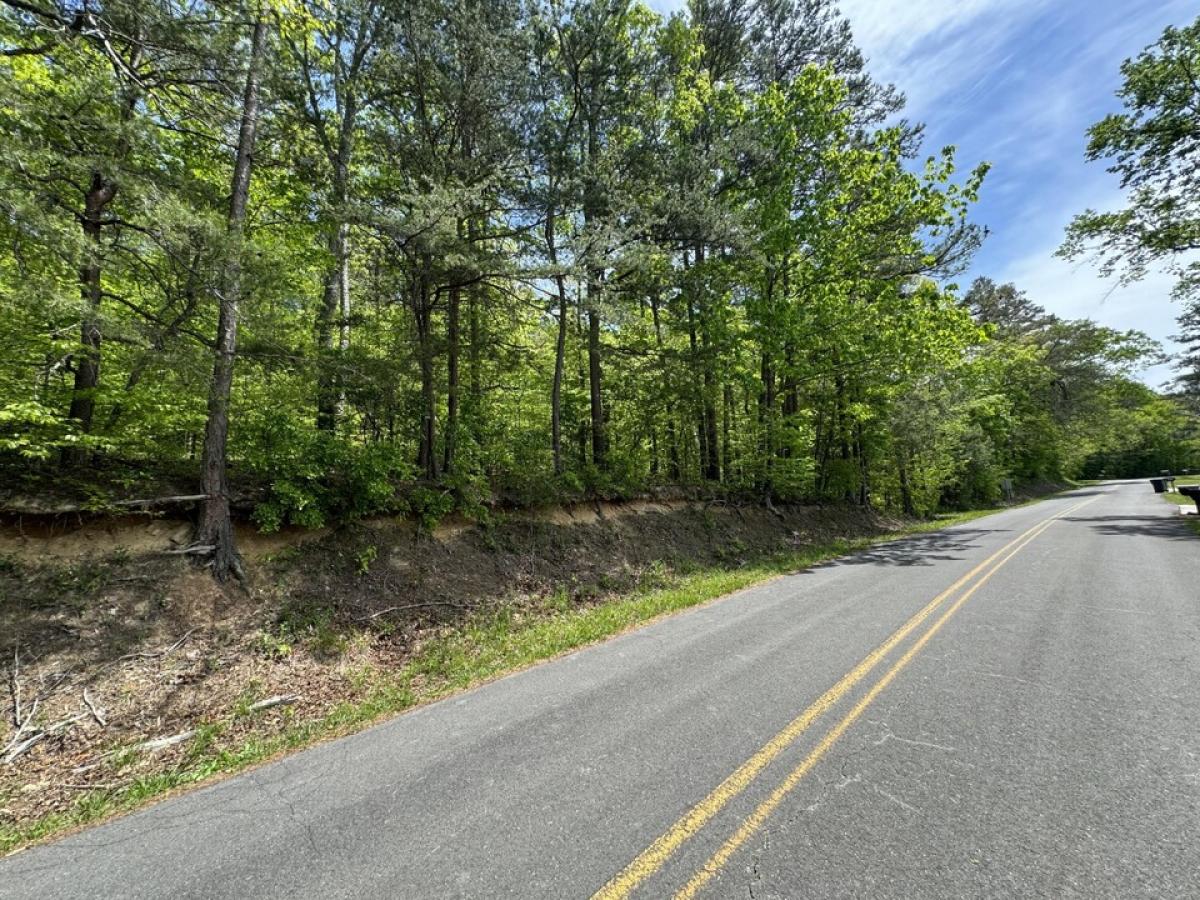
{"points": [[121, 661]]}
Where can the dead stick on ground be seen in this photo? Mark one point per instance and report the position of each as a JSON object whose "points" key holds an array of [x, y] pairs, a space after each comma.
{"points": [[14, 747], [179, 499], [19, 749], [63, 723], [194, 550], [47, 691], [392, 609], [97, 714], [15, 685], [160, 743], [270, 702], [154, 654], [16, 751]]}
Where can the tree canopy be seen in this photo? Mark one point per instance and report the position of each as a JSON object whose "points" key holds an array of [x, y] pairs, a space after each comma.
{"points": [[1154, 146], [381, 255]]}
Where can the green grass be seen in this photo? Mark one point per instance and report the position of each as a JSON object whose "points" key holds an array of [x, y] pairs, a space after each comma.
{"points": [[484, 648]]}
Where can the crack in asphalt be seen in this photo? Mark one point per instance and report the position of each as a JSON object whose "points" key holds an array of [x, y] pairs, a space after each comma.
{"points": [[267, 789]]}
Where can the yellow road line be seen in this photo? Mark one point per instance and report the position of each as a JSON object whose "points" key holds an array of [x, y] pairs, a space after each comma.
{"points": [[656, 855], [768, 806]]}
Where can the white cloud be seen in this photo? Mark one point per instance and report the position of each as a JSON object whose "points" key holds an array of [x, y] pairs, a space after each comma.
{"points": [[933, 48], [665, 7], [894, 29]]}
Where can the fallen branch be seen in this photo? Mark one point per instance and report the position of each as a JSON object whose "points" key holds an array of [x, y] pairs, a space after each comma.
{"points": [[24, 723], [97, 714], [155, 654], [271, 702], [98, 786], [63, 723], [13, 752], [771, 508], [160, 743], [193, 550], [391, 609], [182, 498], [15, 686], [47, 691], [15, 747]]}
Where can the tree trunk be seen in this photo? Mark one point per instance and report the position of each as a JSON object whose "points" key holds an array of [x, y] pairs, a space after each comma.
{"points": [[726, 428], [843, 435], [906, 498], [87, 363], [335, 297], [672, 444], [592, 204], [766, 411], [99, 195], [864, 468], [582, 432], [335, 306], [452, 313], [473, 352], [423, 314], [712, 452], [694, 345], [215, 528], [560, 345], [599, 430], [791, 394]]}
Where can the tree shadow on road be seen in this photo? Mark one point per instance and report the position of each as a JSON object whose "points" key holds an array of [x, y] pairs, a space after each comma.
{"points": [[1170, 527], [923, 550]]}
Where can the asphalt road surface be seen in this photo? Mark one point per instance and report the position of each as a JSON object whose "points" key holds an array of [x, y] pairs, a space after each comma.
{"points": [[1007, 708]]}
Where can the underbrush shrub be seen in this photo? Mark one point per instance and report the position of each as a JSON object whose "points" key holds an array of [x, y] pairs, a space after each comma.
{"points": [[427, 506], [313, 479]]}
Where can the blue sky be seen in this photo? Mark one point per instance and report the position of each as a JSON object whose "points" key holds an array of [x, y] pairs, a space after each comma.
{"points": [[1017, 83]]}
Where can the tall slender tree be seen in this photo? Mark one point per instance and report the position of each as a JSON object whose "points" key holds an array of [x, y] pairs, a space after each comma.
{"points": [[214, 532]]}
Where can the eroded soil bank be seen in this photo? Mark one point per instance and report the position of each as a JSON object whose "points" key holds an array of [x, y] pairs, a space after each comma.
{"points": [[124, 664]]}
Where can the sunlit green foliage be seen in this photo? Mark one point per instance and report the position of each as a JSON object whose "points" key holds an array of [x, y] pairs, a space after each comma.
{"points": [[703, 224], [1154, 146]]}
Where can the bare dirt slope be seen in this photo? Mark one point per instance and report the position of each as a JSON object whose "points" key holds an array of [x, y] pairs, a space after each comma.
{"points": [[113, 649]]}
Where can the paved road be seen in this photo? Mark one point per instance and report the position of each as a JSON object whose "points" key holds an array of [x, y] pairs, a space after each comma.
{"points": [[1007, 708]]}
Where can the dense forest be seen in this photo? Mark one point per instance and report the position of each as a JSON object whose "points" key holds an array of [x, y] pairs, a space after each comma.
{"points": [[424, 255]]}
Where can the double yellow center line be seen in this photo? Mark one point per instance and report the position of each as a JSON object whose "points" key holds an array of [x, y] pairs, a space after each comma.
{"points": [[654, 857]]}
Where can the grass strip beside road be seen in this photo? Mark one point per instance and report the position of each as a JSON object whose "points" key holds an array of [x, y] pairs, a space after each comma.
{"points": [[482, 650]]}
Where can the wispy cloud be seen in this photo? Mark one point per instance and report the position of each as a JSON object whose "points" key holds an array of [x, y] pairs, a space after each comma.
{"points": [[1017, 82], [934, 48]]}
